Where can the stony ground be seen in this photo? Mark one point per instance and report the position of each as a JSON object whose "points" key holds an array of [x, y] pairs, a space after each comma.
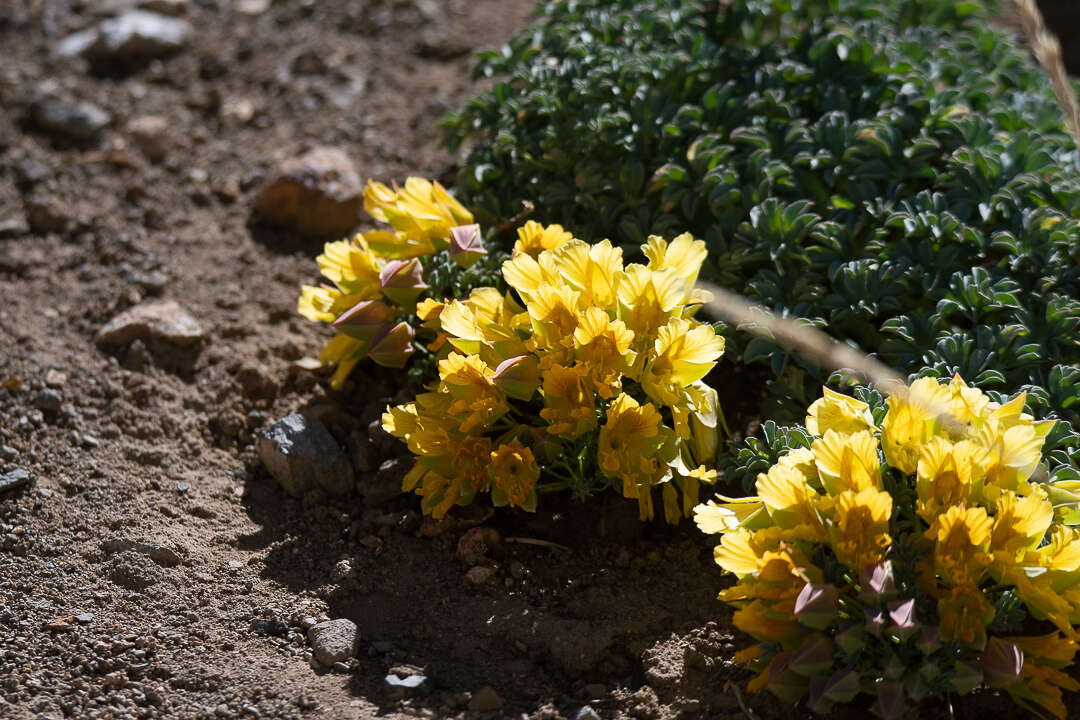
{"points": [[150, 566]]}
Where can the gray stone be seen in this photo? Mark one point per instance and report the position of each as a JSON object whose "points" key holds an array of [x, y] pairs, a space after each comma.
{"points": [[334, 641], [48, 400], [136, 34], [485, 700], [586, 713], [318, 194], [162, 320], [302, 455], [402, 687], [13, 227], [13, 479], [84, 618], [73, 119], [385, 485]]}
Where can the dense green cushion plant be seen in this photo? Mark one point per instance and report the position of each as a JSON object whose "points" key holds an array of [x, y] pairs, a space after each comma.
{"points": [[894, 172]]}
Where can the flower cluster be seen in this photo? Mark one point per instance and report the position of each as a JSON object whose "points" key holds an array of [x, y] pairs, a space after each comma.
{"points": [[899, 560], [588, 374], [378, 276]]}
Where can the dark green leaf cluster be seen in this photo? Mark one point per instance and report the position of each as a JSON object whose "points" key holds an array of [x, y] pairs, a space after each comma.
{"points": [[894, 172]]}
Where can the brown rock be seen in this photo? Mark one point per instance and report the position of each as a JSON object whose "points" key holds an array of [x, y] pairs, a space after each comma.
{"points": [[317, 194], [156, 320], [151, 135]]}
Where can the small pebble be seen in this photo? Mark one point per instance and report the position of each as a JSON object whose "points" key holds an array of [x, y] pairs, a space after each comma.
{"points": [[84, 618], [485, 700]]}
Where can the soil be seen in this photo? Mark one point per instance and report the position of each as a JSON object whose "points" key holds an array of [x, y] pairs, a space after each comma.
{"points": [[152, 567]]}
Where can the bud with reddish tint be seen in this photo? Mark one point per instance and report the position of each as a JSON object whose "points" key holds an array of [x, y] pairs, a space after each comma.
{"points": [[466, 246], [518, 377], [392, 346], [816, 605], [1001, 662], [364, 320], [402, 281]]}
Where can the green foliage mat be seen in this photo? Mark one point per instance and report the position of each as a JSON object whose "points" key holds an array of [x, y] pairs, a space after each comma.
{"points": [[896, 172]]}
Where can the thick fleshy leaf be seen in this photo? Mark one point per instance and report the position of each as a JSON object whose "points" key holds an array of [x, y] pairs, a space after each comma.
{"points": [[364, 320], [466, 245], [518, 376], [813, 657], [877, 582]]}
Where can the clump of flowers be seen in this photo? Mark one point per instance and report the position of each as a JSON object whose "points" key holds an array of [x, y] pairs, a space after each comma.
{"points": [[377, 276], [588, 375], [901, 559]]}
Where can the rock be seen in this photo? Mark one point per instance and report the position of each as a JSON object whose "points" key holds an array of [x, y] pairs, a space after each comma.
{"points": [[477, 543], [252, 7], [409, 686], [480, 574], [162, 320], [84, 618], [302, 455], [151, 136], [586, 713], [317, 194], [385, 485], [13, 227], [55, 378], [13, 479], [45, 214], [135, 34], [48, 400], [166, 557], [362, 451], [485, 700], [262, 626], [69, 118], [334, 641]]}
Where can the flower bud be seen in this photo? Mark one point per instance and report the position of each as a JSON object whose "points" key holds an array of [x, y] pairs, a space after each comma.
{"points": [[363, 320], [813, 657], [877, 582], [466, 245], [890, 702], [816, 605], [393, 345], [518, 377], [902, 613], [875, 621], [1001, 662], [402, 281]]}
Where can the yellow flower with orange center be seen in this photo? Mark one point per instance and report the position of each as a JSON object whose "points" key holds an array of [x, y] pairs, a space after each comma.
{"points": [[514, 473]]}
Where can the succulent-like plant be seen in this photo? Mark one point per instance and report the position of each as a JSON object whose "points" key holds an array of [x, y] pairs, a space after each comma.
{"points": [[587, 375], [900, 552]]}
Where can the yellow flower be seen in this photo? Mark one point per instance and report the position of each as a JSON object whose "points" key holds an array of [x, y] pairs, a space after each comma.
{"points": [[961, 535], [629, 439], [468, 379], [602, 346], [760, 621], [963, 615], [398, 245], [835, 411], [949, 474], [967, 404], [344, 352], [860, 527], [684, 255], [525, 273], [428, 311], [567, 405], [1053, 649], [1062, 553], [847, 462], [1043, 685], [554, 312], [1020, 524], [787, 497], [740, 551], [514, 473], [1013, 453], [685, 352], [728, 516], [592, 270], [421, 209], [352, 266], [648, 299], [484, 324], [913, 418], [533, 238]]}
